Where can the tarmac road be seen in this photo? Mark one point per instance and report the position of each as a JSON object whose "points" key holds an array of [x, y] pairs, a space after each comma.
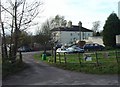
{"points": [[40, 73]]}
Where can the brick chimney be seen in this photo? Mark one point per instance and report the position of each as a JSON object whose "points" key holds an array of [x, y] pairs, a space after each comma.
{"points": [[80, 24], [69, 24]]}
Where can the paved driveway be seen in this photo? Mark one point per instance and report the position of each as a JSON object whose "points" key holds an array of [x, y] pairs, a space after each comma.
{"points": [[42, 74]]}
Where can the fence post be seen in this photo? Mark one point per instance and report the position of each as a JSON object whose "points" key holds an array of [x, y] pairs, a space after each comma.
{"points": [[65, 58], [116, 56], [55, 55], [52, 58], [79, 58], [20, 56], [59, 58], [96, 58]]}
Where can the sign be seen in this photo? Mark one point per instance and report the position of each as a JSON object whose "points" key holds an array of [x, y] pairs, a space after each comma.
{"points": [[88, 58]]}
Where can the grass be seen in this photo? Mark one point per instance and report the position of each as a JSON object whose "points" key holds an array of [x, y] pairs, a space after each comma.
{"points": [[9, 68], [0, 60], [107, 64]]}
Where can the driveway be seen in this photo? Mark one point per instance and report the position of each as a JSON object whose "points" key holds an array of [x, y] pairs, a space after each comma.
{"points": [[40, 73]]}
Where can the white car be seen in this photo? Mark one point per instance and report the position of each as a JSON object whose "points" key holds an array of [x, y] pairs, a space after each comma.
{"points": [[60, 50], [73, 49]]}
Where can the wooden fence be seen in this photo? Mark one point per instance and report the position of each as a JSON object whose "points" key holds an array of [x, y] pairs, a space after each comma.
{"points": [[97, 57]]}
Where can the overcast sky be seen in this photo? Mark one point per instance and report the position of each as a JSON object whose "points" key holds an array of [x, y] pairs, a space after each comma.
{"points": [[86, 11]]}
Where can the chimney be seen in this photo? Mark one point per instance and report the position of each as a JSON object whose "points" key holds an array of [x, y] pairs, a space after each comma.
{"points": [[80, 24], [70, 24]]}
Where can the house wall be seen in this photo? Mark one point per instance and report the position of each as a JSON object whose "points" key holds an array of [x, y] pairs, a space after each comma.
{"points": [[66, 37]]}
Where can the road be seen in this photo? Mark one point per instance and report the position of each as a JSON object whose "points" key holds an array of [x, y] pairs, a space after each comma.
{"points": [[40, 73]]}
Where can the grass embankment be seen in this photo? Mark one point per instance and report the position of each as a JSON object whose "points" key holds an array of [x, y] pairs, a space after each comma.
{"points": [[9, 68], [107, 63]]}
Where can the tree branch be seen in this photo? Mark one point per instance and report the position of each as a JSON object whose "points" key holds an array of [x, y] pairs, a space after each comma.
{"points": [[22, 14], [7, 10]]}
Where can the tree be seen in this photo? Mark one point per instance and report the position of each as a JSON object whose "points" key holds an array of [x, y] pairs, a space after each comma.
{"points": [[97, 34], [43, 36], [111, 29], [24, 38], [95, 27], [58, 21], [19, 15]]}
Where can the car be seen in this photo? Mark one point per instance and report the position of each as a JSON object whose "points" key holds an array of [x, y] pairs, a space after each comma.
{"points": [[24, 49], [118, 46], [58, 46], [93, 46], [60, 50], [75, 49], [72, 49]]}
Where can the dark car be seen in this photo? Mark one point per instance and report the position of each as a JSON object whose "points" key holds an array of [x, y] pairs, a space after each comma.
{"points": [[57, 46], [93, 46], [24, 49]]}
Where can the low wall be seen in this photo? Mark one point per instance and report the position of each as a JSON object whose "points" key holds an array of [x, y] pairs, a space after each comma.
{"points": [[117, 39], [97, 39]]}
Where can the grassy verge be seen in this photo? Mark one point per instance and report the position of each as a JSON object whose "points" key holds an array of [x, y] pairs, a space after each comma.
{"points": [[107, 65], [11, 69]]}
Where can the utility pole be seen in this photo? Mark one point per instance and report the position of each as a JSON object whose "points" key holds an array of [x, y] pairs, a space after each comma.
{"points": [[80, 28]]}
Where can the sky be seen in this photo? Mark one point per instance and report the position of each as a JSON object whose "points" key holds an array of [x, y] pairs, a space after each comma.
{"points": [[86, 11]]}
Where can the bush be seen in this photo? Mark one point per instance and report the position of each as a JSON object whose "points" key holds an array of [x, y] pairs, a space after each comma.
{"points": [[47, 54], [9, 68]]}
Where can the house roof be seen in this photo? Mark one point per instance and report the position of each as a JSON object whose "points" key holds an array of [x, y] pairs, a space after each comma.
{"points": [[73, 28]]}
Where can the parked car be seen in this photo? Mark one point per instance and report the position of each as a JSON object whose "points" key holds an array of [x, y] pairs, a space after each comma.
{"points": [[93, 46], [60, 50], [58, 46], [75, 49], [72, 49], [24, 49], [117, 45]]}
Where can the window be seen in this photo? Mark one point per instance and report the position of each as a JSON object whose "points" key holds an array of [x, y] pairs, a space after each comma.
{"points": [[88, 34], [74, 38], [96, 44]]}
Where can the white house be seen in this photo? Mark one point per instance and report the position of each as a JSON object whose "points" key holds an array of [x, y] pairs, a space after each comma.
{"points": [[71, 33]]}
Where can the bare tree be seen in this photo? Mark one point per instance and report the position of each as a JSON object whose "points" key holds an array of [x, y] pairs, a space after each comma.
{"points": [[4, 47], [43, 36], [58, 21], [96, 26], [18, 15]]}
